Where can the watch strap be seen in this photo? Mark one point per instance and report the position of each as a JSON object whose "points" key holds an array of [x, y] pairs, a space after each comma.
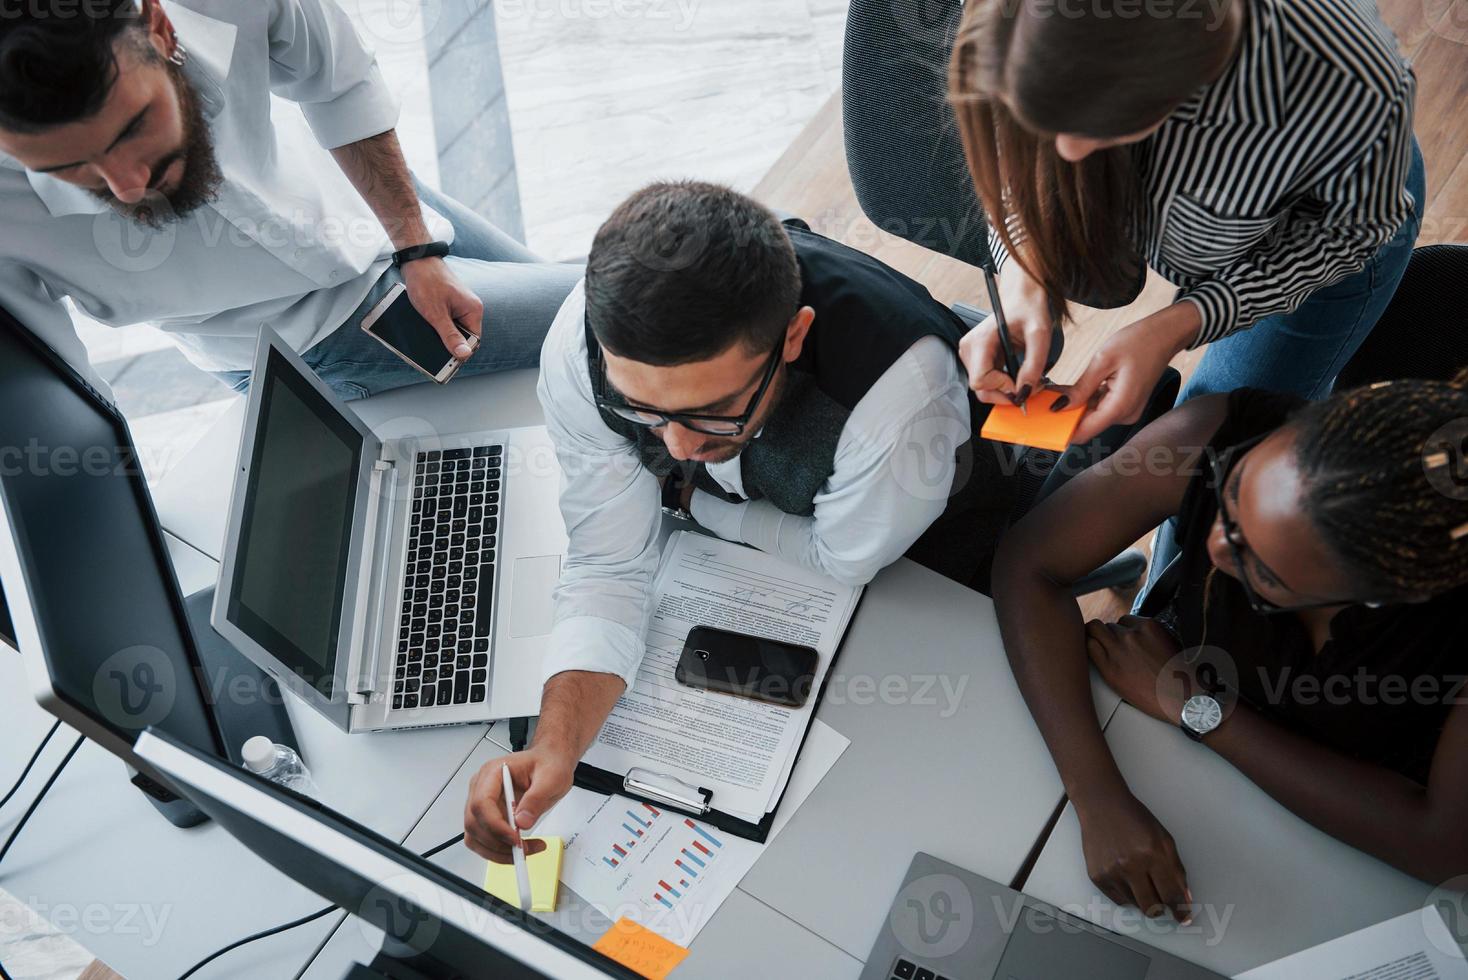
{"points": [[672, 500], [428, 250]]}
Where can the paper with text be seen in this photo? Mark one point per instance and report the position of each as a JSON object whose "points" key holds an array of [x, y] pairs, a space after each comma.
{"points": [[740, 749], [1414, 946]]}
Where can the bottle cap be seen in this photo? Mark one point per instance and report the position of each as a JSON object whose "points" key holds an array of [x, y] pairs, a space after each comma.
{"points": [[259, 754]]}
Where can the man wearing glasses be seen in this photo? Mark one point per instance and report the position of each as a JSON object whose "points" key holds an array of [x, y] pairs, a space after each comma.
{"points": [[781, 389]]}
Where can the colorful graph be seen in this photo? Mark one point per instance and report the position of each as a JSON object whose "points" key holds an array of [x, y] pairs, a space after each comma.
{"points": [[692, 859]]}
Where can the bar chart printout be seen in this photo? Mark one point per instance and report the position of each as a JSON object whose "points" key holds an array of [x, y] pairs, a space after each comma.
{"points": [[657, 867]]}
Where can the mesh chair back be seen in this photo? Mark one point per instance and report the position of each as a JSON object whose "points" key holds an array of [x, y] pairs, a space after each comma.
{"points": [[902, 145], [1424, 331]]}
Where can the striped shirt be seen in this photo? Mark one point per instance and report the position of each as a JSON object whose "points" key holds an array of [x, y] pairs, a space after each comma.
{"points": [[1284, 175]]}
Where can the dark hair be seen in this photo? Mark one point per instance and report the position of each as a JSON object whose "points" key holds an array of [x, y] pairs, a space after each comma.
{"points": [[1384, 482], [1093, 72], [682, 271], [58, 59]]}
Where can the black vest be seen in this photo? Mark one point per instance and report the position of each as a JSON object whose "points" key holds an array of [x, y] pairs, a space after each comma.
{"points": [[866, 317]]}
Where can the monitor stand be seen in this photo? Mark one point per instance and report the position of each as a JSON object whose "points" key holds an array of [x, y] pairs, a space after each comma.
{"points": [[245, 700], [410, 965], [399, 961]]}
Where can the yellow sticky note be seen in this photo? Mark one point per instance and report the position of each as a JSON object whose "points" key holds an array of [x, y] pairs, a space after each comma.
{"points": [[639, 948], [545, 877], [1041, 428]]}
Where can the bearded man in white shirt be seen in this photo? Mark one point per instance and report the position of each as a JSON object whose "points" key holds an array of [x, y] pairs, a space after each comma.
{"points": [[219, 166], [781, 389]]}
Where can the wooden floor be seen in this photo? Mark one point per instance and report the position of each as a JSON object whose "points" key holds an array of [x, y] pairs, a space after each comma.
{"points": [[811, 180]]}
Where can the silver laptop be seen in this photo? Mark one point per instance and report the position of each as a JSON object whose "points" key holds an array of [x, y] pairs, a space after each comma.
{"points": [[391, 583], [951, 924]]}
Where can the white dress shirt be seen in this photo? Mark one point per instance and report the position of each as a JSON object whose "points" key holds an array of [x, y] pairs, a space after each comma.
{"points": [[894, 468], [288, 243]]}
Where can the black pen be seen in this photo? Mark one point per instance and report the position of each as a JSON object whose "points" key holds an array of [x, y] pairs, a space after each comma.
{"points": [[1011, 363]]}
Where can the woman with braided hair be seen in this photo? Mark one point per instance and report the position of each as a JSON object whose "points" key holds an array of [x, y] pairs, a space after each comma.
{"points": [[1310, 630]]}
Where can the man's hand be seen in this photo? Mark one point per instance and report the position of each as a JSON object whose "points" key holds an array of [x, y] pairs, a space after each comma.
{"points": [[376, 168], [1028, 321], [541, 777], [1132, 858], [1130, 655], [443, 301], [1121, 375], [573, 708]]}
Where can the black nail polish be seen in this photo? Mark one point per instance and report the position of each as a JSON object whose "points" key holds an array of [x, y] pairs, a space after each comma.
{"points": [[1024, 394], [1060, 403]]}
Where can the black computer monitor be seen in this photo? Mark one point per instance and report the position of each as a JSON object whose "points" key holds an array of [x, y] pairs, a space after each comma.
{"points": [[436, 923], [97, 614]]}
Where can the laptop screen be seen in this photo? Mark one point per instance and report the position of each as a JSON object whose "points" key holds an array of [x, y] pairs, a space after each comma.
{"points": [[295, 532]]}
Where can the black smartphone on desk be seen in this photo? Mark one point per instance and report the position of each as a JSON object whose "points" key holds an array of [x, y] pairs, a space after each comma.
{"points": [[398, 326], [747, 666]]}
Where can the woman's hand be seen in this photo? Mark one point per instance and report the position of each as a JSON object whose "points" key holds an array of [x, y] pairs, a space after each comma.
{"points": [[1121, 375], [1029, 326], [1132, 656], [1132, 858]]}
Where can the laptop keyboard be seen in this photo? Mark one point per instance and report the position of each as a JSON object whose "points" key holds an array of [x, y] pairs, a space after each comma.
{"points": [[448, 584], [908, 970]]}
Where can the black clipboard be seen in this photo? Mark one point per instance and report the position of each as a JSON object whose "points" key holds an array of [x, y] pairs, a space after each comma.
{"points": [[658, 789]]}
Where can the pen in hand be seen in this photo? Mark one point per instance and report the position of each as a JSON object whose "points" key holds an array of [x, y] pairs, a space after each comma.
{"points": [[517, 850], [1011, 363]]}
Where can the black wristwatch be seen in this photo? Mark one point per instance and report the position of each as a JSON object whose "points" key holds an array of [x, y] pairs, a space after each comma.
{"points": [[673, 488], [429, 250]]}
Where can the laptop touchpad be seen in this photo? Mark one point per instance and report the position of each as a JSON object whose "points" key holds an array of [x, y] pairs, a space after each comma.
{"points": [[530, 595]]}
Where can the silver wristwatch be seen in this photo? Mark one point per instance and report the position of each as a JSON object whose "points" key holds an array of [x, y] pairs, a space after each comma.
{"points": [[1201, 714]]}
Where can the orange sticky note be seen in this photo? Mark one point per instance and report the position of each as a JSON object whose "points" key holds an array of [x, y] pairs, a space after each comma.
{"points": [[1041, 428], [639, 948]]}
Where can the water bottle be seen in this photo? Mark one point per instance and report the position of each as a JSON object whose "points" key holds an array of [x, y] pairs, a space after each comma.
{"points": [[279, 764]]}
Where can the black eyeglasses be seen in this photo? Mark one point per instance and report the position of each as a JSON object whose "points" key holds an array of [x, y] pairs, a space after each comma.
{"points": [[1222, 464], [714, 425]]}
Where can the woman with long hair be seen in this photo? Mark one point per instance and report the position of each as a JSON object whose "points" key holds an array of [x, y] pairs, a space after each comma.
{"points": [[1256, 153], [1310, 632]]}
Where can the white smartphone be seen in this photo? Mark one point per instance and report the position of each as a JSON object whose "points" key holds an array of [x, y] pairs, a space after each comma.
{"points": [[400, 328]]}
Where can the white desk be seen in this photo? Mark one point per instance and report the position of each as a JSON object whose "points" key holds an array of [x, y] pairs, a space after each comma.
{"points": [[97, 844], [984, 810], [1279, 884]]}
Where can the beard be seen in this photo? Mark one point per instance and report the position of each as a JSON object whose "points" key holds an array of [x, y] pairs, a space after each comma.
{"points": [[201, 177]]}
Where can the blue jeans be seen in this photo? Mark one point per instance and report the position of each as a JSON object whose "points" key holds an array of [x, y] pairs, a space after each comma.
{"points": [[1303, 351], [521, 294]]}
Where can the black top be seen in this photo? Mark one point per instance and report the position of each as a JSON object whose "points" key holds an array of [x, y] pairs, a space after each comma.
{"points": [[867, 316], [1381, 687]]}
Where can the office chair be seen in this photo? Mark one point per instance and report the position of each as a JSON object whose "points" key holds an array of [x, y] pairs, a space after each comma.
{"points": [[1421, 333], [911, 179]]}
